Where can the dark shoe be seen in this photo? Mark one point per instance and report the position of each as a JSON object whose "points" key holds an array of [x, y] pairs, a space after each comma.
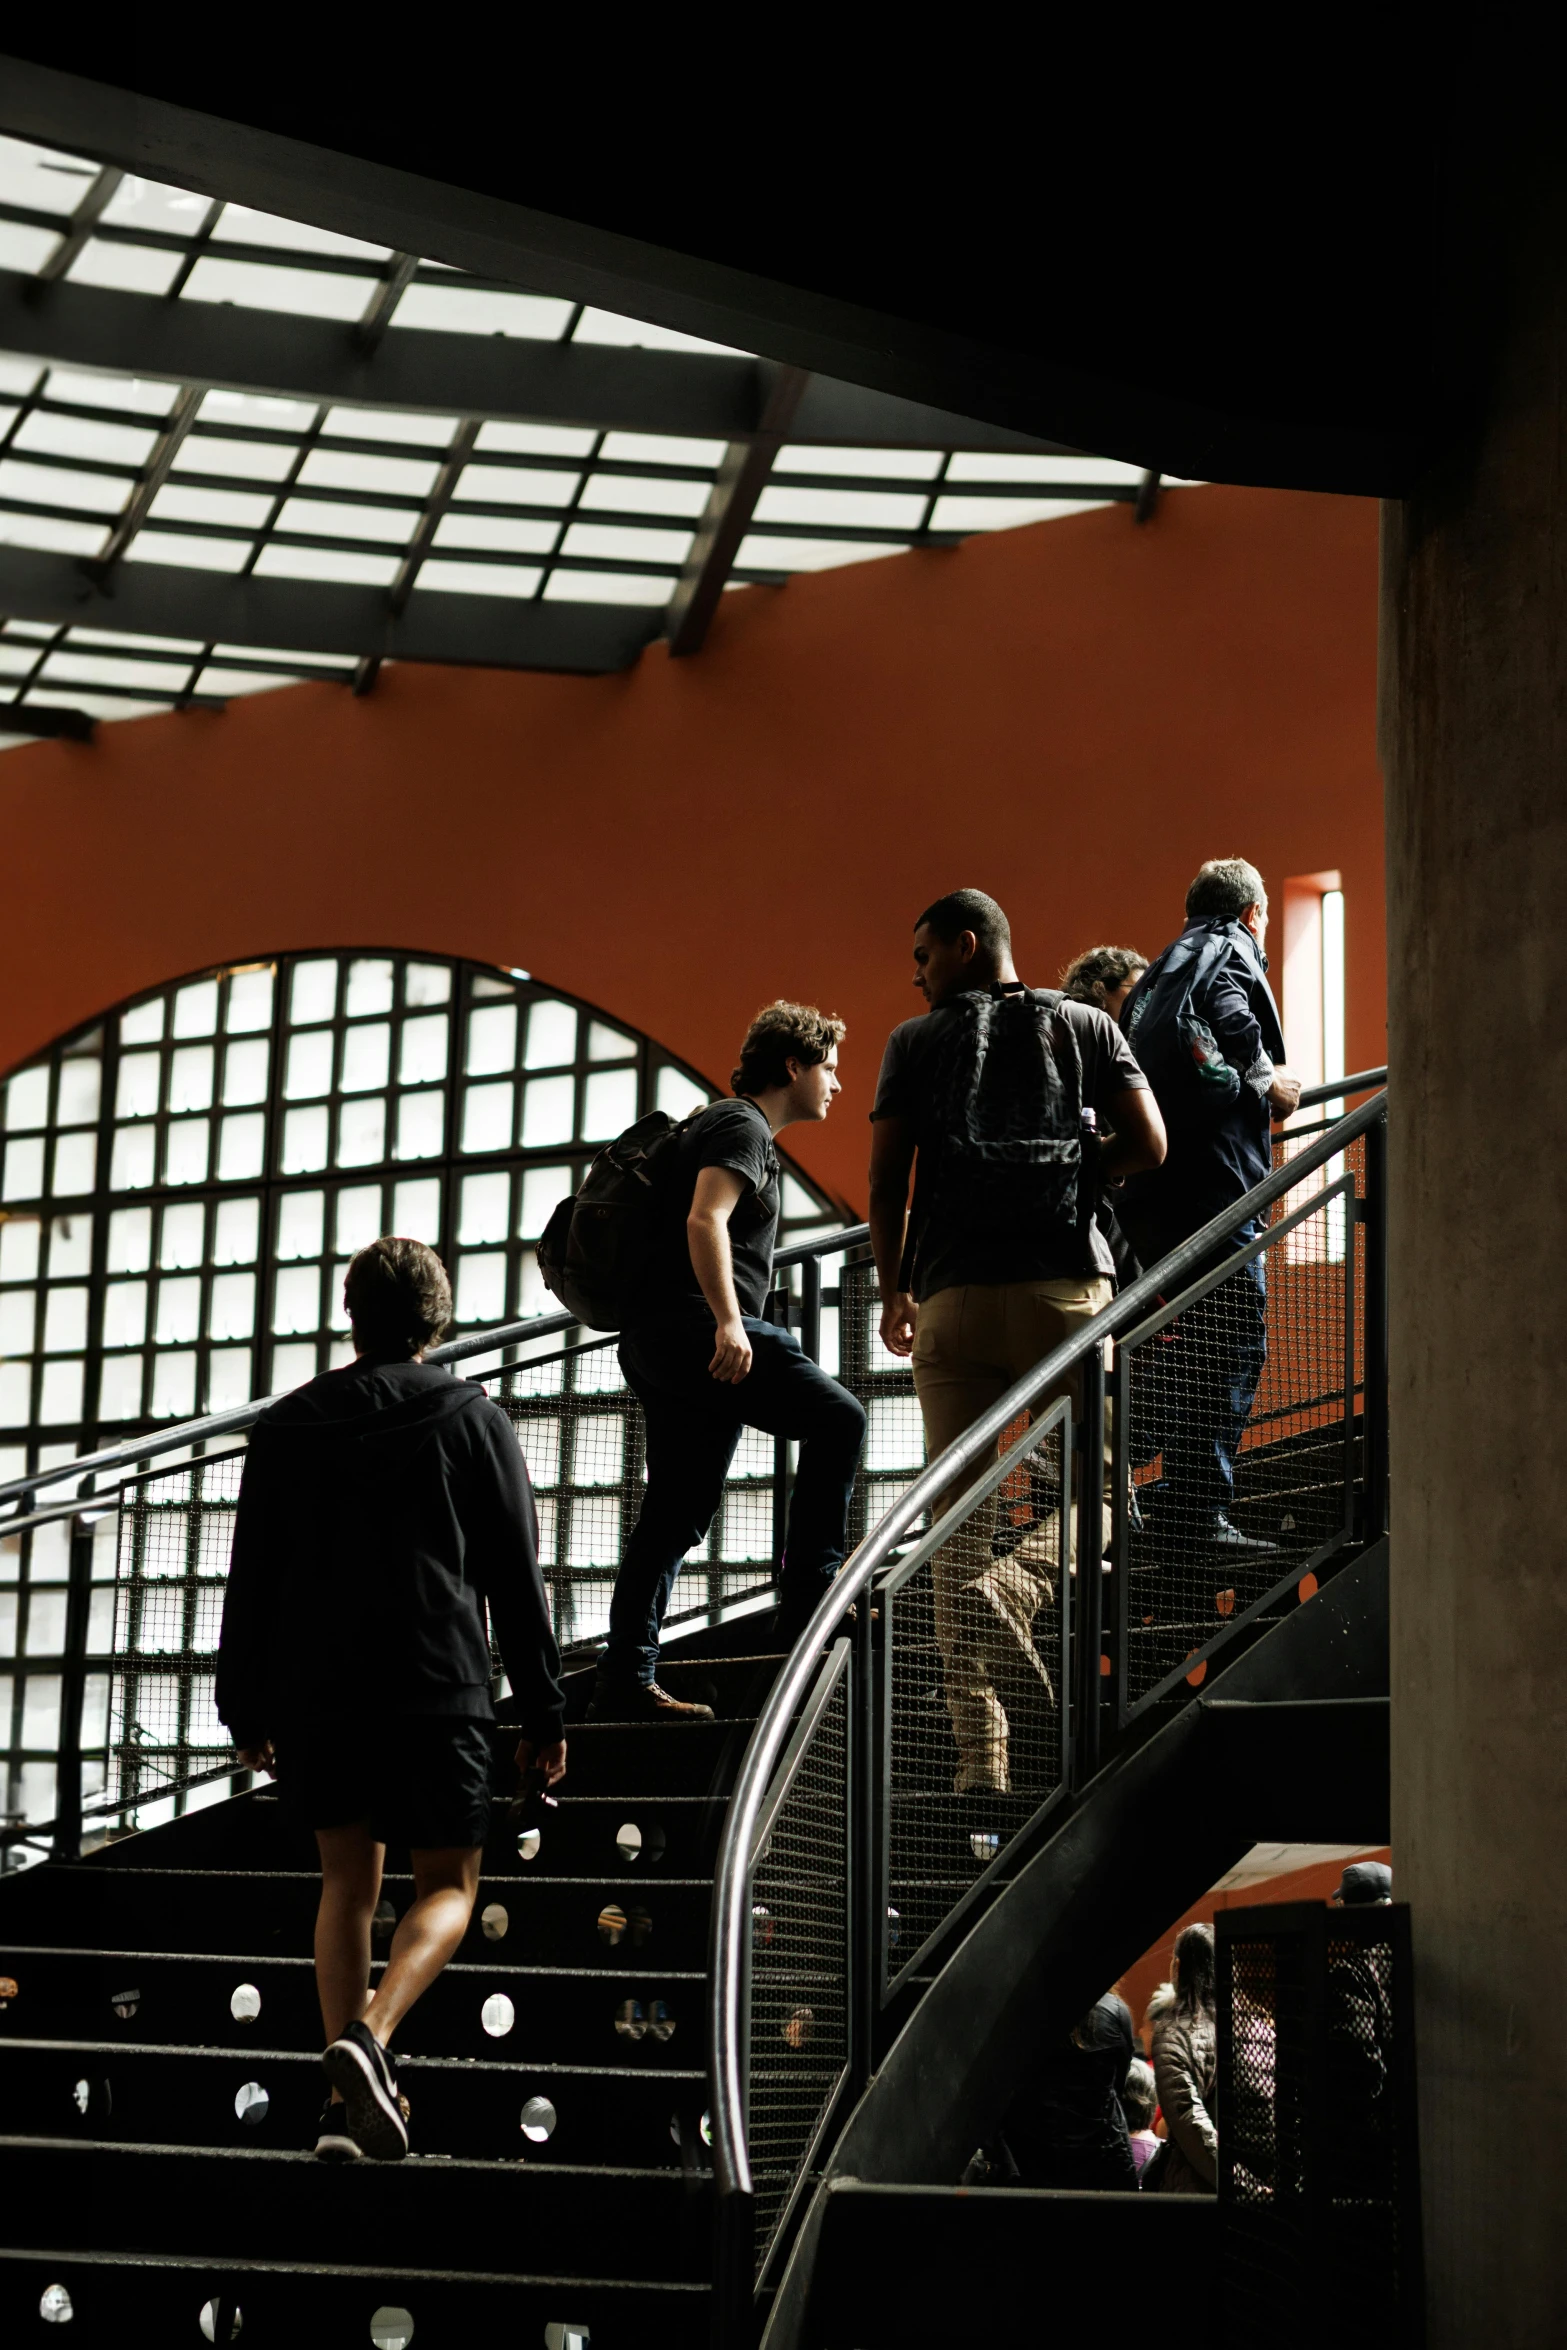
{"points": [[363, 2075], [1226, 1537], [640, 1701], [333, 2143]]}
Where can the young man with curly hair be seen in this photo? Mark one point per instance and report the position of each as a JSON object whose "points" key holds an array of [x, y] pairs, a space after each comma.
{"points": [[704, 1363]]}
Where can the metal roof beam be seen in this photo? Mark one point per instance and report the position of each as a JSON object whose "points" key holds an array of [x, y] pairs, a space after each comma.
{"points": [[731, 502], [321, 616], [696, 393]]}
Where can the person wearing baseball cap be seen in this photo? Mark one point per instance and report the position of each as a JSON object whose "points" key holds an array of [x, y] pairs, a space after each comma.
{"points": [[1365, 1884]]}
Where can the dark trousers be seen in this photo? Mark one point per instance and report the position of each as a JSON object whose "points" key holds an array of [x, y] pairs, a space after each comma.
{"points": [[693, 1425], [1206, 1376]]}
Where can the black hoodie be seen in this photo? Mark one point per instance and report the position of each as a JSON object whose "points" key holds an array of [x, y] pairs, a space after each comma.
{"points": [[380, 1508]]}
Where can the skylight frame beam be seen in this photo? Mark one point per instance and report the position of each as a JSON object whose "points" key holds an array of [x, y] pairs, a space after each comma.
{"points": [[740, 481]]}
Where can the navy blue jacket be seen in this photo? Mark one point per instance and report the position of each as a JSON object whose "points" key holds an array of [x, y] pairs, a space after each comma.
{"points": [[1219, 1129]]}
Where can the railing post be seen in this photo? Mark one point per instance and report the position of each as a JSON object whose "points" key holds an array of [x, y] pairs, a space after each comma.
{"points": [[1088, 1615], [867, 1797], [1375, 1370], [73, 1688], [811, 1307]]}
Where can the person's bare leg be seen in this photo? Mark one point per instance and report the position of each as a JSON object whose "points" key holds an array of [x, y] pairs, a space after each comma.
{"points": [[351, 1863], [446, 1879]]}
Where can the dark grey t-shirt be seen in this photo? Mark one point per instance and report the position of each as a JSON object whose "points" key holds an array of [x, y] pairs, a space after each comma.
{"points": [[730, 1134], [948, 1256]]}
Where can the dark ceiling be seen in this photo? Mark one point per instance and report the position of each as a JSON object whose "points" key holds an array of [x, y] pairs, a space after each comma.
{"points": [[1209, 262]]}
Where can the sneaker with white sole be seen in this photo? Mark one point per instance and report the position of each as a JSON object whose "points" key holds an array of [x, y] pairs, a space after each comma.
{"points": [[363, 2074], [333, 2143]]}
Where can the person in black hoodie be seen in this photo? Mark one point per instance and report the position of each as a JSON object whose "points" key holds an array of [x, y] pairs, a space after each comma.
{"points": [[383, 1509]]}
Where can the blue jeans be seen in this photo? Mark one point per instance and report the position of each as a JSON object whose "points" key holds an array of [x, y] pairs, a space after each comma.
{"points": [[1209, 1375], [693, 1425]]}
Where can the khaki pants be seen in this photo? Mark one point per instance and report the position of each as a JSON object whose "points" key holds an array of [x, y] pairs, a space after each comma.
{"points": [[970, 1345]]}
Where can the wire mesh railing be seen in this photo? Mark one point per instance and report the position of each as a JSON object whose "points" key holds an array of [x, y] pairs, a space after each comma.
{"points": [[798, 2022], [1197, 1454]]}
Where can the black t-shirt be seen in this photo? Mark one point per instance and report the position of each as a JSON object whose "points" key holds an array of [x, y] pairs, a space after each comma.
{"points": [[951, 1255], [730, 1134]]}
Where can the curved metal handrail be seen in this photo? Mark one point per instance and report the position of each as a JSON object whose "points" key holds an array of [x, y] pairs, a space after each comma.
{"points": [[239, 1417], [731, 2161]]}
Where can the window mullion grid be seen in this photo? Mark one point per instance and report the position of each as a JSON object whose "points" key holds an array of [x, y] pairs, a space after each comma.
{"points": [[193, 251], [442, 491], [308, 440], [568, 514], [153, 476]]}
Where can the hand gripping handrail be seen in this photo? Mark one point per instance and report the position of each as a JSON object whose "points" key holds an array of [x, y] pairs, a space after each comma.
{"points": [[239, 1417], [727, 1945]]}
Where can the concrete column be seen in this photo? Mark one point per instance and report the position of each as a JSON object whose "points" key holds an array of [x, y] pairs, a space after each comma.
{"points": [[1474, 741]]}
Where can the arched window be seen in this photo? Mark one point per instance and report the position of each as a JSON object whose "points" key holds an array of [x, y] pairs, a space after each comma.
{"points": [[185, 1179]]}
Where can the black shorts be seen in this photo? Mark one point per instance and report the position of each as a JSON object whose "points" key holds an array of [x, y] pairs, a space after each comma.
{"points": [[423, 1781]]}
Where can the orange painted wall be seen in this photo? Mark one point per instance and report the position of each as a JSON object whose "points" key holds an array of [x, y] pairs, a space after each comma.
{"points": [[1070, 715], [1317, 1883]]}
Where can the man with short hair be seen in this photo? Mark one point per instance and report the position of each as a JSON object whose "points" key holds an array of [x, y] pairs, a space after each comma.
{"points": [[384, 1509], [1001, 1259], [1203, 1023], [705, 1362]]}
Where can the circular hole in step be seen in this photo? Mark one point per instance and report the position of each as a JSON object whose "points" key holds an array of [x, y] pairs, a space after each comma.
{"points": [[538, 2120], [660, 2023], [82, 2093], [391, 2329], [704, 2129], [630, 2022], [634, 1842], [894, 1929], [566, 2337], [497, 2015], [528, 1844], [221, 2320], [612, 1923], [384, 1923], [125, 2003], [761, 1924], [55, 2306], [798, 2027], [495, 1919], [251, 2103], [984, 1844], [707, 2129], [244, 2003], [8, 1992]]}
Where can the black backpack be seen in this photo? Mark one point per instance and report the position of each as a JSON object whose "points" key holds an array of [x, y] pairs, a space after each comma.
{"points": [[1176, 1049], [1004, 1117], [596, 1246]]}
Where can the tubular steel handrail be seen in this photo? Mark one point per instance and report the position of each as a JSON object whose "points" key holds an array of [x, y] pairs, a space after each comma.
{"points": [[239, 1417], [728, 1937]]}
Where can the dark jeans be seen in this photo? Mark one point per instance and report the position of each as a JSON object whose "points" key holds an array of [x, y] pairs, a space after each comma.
{"points": [[1205, 1381], [693, 1425]]}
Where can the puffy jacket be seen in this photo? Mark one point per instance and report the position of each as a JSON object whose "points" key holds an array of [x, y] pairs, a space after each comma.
{"points": [[1185, 2064]]}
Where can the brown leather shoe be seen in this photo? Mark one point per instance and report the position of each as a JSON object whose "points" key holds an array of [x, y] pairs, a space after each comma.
{"points": [[640, 1701]]}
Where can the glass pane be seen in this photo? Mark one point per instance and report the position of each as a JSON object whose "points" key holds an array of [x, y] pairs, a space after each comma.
{"points": [[196, 1009], [65, 1320], [245, 1070], [190, 1078], [187, 1146], [18, 1315], [119, 1388], [421, 1125], [136, 1090], [70, 1246], [543, 1189], [130, 1240], [24, 1169], [481, 1287], [299, 1224], [242, 1147], [366, 1053], [60, 1394], [232, 1312], [492, 1039], [180, 1240], [228, 1383], [609, 1103], [135, 1152], [548, 1111], [486, 1204], [173, 1387], [144, 1025], [609, 1044], [552, 1035], [304, 1141], [75, 1165], [416, 1209], [427, 983], [676, 1094], [357, 1218], [27, 1100], [179, 1310], [250, 1002], [312, 993], [237, 1235], [369, 988], [421, 1057], [308, 1070], [487, 1117], [81, 1087], [297, 1301], [361, 1133]]}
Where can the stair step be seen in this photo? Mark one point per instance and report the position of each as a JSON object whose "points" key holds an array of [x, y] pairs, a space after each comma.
{"points": [[631, 2016], [734, 1686], [104, 2090], [521, 1916], [654, 1758], [242, 2203], [679, 1836], [150, 2297]]}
